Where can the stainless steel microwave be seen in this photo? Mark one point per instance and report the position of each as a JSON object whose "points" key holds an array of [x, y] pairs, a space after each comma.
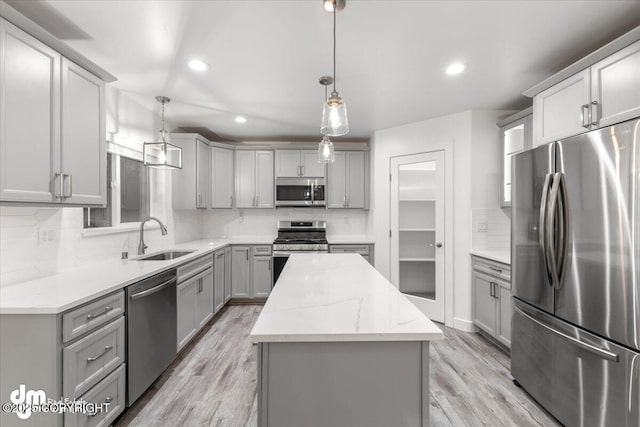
{"points": [[300, 192]]}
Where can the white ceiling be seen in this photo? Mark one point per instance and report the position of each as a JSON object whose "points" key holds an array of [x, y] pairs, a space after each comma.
{"points": [[266, 56]]}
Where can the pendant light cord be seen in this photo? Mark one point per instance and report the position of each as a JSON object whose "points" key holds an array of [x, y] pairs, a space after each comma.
{"points": [[335, 6]]}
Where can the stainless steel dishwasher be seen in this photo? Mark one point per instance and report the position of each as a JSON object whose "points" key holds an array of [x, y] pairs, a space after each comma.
{"points": [[151, 331]]}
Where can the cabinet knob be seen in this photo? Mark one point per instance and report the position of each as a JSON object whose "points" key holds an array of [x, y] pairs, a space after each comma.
{"points": [[438, 244]]}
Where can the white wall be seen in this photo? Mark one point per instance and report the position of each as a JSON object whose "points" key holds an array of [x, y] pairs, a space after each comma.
{"points": [[469, 139], [23, 255], [261, 222]]}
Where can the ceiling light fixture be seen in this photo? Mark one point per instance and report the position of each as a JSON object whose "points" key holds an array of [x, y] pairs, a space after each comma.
{"points": [[162, 154], [455, 68], [198, 65], [334, 112], [329, 5], [326, 153], [240, 119]]}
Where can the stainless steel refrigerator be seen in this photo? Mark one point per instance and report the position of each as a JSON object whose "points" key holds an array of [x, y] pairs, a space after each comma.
{"points": [[575, 255]]}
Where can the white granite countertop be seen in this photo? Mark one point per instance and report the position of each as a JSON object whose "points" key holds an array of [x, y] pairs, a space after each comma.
{"points": [[338, 297], [65, 290], [350, 240], [503, 256]]}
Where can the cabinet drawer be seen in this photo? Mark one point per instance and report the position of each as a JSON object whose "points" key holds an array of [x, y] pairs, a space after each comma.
{"points": [[262, 250], [194, 267], [111, 390], [89, 360], [498, 270], [86, 318], [349, 249]]}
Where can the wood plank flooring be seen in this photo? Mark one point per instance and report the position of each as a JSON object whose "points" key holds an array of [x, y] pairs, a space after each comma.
{"points": [[213, 382]]}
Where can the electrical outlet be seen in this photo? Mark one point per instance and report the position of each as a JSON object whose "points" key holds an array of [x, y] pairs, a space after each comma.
{"points": [[483, 227]]}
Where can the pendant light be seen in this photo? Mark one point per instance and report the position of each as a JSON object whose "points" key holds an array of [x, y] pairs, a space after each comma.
{"points": [[325, 148], [162, 154], [334, 113]]}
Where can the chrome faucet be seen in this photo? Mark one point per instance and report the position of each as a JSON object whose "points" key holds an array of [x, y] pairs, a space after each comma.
{"points": [[141, 245]]}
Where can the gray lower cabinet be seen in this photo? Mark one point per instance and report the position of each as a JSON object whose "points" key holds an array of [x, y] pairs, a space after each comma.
{"points": [[492, 305], [240, 272], [227, 274], [251, 272], [262, 276], [195, 293], [219, 298], [365, 250]]}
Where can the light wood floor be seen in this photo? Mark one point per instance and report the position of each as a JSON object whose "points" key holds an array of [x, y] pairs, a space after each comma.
{"points": [[213, 382]]}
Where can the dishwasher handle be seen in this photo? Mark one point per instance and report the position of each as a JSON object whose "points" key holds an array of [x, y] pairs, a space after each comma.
{"points": [[153, 290]]}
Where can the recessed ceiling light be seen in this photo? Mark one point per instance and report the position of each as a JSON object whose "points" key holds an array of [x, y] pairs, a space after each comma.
{"points": [[198, 65], [240, 119], [455, 68]]}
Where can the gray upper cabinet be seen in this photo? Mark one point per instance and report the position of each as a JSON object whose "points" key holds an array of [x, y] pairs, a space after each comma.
{"points": [[254, 182], [52, 125], [601, 95], [515, 137], [221, 178], [298, 163], [347, 182], [83, 146], [191, 184]]}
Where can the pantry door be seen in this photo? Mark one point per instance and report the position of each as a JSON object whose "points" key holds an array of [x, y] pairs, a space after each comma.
{"points": [[417, 230]]}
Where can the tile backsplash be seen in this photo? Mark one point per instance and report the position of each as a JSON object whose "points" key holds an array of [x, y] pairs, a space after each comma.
{"points": [[491, 229]]}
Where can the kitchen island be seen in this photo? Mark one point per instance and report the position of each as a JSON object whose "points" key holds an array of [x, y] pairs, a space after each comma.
{"points": [[338, 345]]}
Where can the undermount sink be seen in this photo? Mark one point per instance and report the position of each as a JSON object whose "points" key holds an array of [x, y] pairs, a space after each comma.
{"points": [[163, 256]]}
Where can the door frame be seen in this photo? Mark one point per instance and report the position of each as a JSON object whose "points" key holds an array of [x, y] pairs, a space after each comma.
{"points": [[448, 228]]}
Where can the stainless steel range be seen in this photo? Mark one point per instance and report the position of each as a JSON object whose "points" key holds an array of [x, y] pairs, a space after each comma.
{"points": [[298, 237]]}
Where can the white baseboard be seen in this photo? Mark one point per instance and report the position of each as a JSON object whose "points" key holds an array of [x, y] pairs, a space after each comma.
{"points": [[464, 325]]}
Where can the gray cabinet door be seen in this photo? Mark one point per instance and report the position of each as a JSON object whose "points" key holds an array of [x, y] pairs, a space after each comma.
{"points": [[221, 178], [264, 179], [227, 274], [288, 163], [484, 304], [356, 179], [219, 276], [204, 299], [29, 112], [262, 276], [240, 272], [505, 307], [310, 166], [337, 181], [83, 145], [245, 179], [203, 192], [186, 304]]}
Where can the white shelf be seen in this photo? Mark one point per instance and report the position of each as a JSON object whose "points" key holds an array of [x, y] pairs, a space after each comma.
{"points": [[417, 260], [417, 229]]}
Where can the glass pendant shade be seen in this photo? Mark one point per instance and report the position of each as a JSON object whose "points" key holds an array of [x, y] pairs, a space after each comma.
{"points": [[334, 117], [325, 151], [162, 154]]}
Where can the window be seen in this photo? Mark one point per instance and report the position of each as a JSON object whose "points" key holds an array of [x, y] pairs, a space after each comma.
{"points": [[127, 195]]}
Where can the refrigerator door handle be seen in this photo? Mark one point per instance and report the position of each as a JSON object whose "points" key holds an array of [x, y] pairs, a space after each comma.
{"points": [[605, 354], [563, 205], [542, 226], [550, 226]]}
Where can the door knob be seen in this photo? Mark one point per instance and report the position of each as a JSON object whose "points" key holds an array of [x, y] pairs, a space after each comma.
{"points": [[438, 244]]}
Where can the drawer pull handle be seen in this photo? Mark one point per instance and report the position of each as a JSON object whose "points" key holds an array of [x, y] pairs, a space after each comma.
{"points": [[107, 348], [495, 269], [101, 313]]}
